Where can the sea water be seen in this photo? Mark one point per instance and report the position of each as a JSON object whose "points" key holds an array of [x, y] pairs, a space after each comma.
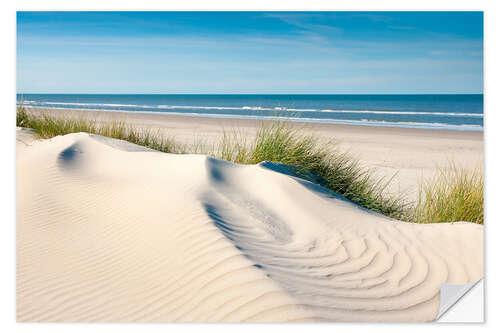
{"points": [[454, 112]]}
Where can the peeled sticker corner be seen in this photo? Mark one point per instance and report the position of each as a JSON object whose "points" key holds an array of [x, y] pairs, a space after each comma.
{"points": [[451, 294]]}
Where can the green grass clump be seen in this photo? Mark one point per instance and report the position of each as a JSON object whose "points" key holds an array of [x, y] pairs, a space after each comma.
{"points": [[455, 194], [233, 147], [280, 143], [47, 126], [22, 117]]}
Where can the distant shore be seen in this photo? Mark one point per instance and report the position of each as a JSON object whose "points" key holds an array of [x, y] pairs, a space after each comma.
{"points": [[447, 112]]}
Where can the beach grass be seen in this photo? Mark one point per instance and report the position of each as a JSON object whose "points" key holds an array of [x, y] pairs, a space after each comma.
{"points": [[314, 159], [47, 126], [455, 195]]}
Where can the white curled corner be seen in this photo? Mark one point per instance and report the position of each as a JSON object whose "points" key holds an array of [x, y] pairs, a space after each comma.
{"points": [[451, 295]]}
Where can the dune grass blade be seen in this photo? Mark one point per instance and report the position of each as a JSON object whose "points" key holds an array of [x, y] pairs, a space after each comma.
{"points": [[456, 194], [22, 117], [232, 147]]}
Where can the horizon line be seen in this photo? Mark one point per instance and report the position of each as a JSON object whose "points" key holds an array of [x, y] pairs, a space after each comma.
{"points": [[326, 94]]}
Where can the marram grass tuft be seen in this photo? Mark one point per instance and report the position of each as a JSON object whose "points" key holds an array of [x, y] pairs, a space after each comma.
{"points": [[455, 194]]}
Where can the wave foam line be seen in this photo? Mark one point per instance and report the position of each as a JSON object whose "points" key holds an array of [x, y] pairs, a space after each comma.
{"points": [[364, 122], [260, 108], [89, 104]]}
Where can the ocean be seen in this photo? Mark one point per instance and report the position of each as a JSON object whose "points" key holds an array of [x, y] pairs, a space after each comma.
{"points": [[452, 112]]}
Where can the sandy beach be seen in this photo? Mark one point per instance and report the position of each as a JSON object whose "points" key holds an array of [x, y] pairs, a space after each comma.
{"points": [[111, 231], [250, 166], [405, 155]]}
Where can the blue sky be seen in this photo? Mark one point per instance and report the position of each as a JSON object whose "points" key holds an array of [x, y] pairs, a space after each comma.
{"points": [[250, 52]]}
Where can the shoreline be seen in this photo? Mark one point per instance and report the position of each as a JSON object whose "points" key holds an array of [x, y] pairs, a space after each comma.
{"points": [[363, 123], [206, 119]]}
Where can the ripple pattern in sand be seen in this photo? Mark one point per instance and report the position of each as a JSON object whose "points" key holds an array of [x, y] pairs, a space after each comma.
{"points": [[107, 231], [353, 265]]}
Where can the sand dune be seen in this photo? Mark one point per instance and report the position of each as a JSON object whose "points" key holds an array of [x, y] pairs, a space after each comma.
{"points": [[408, 156], [110, 231]]}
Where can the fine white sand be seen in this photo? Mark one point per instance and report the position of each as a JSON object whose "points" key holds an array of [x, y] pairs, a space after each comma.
{"points": [[110, 231], [407, 156]]}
